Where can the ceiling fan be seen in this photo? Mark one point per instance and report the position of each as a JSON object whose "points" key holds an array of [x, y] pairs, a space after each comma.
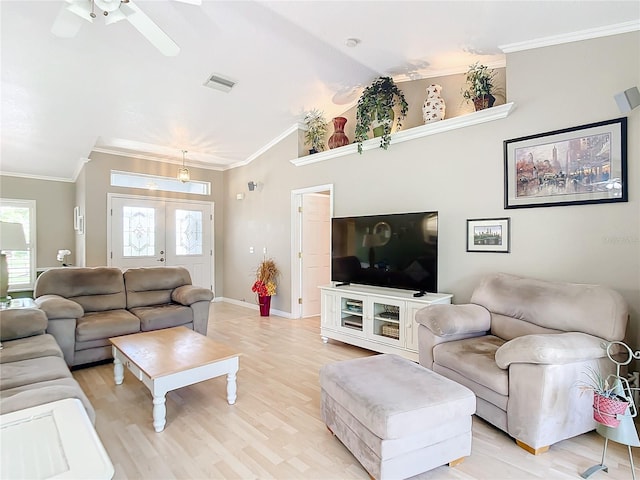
{"points": [[69, 20]]}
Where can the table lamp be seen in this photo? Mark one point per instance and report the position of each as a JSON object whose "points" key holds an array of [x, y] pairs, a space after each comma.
{"points": [[11, 239]]}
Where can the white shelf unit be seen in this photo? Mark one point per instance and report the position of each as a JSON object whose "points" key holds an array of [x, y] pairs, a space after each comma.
{"points": [[375, 318], [487, 115]]}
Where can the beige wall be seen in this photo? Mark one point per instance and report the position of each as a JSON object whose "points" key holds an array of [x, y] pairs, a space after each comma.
{"points": [[96, 178], [260, 220], [460, 174], [54, 215]]}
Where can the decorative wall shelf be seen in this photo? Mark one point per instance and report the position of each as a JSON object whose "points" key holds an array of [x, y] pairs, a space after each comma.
{"points": [[475, 118]]}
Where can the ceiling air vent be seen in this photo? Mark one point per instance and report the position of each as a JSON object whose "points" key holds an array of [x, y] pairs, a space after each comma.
{"points": [[219, 83]]}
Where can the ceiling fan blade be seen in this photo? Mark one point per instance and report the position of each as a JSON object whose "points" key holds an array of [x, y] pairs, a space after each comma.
{"points": [[114, 17], [149, 29], [68, 23], [82, 8]]}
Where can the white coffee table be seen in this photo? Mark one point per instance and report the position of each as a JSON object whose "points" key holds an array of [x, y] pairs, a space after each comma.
{"points": [[53, 440], [172, 358]]}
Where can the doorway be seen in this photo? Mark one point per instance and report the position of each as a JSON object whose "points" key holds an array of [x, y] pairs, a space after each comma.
{"points": [[312, 209], [152, 232]]}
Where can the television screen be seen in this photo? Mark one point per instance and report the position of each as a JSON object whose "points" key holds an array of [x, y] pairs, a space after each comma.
{"points": [[395, 250]]}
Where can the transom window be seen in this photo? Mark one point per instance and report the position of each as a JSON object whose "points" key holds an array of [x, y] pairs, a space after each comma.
{"points": [[154, 182]]}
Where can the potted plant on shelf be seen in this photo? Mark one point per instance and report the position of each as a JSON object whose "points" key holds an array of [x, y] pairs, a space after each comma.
{"points": [[376, 106], [265, 285], [479, 83], [316, 130], [608, 399]]}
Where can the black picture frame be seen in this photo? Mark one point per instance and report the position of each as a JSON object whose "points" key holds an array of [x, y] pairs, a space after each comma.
{"points": [[581, 165], [489, 235]]}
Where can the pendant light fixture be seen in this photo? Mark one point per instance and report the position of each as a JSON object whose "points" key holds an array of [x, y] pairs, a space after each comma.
{"points": [[183, 173]]}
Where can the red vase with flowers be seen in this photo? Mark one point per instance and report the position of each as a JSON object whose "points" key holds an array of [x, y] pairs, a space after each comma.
{"points": [[265, 285]]}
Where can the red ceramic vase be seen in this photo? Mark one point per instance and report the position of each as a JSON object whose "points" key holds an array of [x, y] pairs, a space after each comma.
{"points": [[265, 305], [338, 139]]}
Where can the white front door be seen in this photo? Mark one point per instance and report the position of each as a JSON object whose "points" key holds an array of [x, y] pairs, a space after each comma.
{"points": [[147, 232]]}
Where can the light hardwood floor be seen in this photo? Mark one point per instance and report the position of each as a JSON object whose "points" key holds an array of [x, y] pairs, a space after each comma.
{"points": [[274, 429]]}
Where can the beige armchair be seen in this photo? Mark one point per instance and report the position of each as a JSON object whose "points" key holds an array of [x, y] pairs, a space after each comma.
{"points": [[521, 345]]}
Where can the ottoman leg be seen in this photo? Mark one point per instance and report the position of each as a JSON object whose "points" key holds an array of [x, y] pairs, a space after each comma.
{"points": [[455, 462]]}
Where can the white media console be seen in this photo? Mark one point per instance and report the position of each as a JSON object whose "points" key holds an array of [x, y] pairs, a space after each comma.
{"points": [[375, 318]]}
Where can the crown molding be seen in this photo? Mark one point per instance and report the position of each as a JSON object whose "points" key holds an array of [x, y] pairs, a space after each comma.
{"points": [[36, 177], [151, 158], [292, 129], [588, 34]]}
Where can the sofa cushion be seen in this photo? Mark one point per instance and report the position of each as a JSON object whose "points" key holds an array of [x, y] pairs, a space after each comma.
{"points": [[31, 347], [508, 328], [163, 316], [153, 285], [34, 394], [100, 325], [96, 289], [591, 309], [22, 322], [474, 358], [33, 370]]}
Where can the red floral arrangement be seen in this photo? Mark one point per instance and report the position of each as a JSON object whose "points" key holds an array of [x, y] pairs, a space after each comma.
{"points": [[262, 289], [266, 278]]}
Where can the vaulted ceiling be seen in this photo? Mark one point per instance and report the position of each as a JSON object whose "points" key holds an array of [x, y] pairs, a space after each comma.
{"points": [[109, 89]]}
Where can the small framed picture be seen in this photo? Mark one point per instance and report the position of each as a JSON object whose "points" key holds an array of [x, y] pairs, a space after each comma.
{"points": [[489, 235]]}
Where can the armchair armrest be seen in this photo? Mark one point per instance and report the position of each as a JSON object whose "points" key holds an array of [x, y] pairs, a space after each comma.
{"points": [[56, 306], [190, 294], [551, 349], [21, 323], [444, 319]]}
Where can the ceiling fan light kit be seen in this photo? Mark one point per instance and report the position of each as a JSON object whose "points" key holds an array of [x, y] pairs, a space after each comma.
{"points": [[113, 11]]}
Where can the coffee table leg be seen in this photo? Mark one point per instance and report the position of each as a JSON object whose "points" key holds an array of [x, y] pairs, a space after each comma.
{"points": [[159, 412], [118, 371], [232, 388]]}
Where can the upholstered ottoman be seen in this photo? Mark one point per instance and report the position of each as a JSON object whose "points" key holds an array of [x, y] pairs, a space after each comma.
{"points": [[395, 416]]}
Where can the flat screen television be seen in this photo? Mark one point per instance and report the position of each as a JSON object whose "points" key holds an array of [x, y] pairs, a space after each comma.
{"points": [[395, 250]]}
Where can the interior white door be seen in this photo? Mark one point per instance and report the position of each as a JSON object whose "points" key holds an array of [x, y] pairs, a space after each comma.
{"points": [[150, 232], [316, 245]]}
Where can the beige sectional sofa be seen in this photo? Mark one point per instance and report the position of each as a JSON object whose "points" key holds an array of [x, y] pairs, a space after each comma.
{"points": [[86, 306], [32, 368]]}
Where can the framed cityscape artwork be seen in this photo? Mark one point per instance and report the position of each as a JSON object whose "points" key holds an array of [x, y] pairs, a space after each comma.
{"points": [[573, 166], [489, 235]]}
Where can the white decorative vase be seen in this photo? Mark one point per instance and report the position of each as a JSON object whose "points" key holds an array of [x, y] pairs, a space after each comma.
{"points": [[434, 107]]}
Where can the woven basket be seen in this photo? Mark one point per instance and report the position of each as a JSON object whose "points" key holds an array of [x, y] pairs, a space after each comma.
{"points": [[606, 410], [392, 331]]}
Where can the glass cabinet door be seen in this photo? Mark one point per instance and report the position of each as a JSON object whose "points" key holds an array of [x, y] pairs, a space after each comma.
{"points": [[352, 313], [386, 321]]}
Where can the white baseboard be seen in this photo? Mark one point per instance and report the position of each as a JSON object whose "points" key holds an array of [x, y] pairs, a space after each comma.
{"points": [[253, 306]]}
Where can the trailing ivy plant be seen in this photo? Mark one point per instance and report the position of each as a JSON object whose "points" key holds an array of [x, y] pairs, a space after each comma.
{"points": [[376, 103], [316, 129]]}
